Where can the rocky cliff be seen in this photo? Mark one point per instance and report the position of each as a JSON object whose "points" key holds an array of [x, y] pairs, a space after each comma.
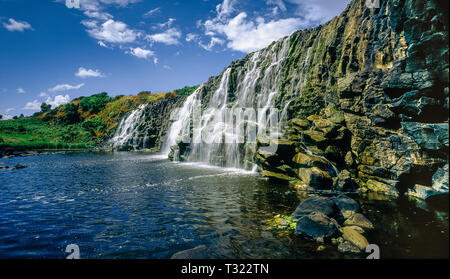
{"points": [[363, 103], [145, 128], [374, 100]]}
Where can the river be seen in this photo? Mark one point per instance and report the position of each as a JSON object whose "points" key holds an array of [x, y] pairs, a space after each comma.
{"points": [[136, 205]]}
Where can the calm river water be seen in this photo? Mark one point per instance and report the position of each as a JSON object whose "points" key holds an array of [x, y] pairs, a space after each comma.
{"points": [[135, 205]]}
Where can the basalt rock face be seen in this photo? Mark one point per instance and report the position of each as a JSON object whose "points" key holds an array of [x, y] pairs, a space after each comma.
{"points": [[363, 103], [374, 100], [146, 127]]}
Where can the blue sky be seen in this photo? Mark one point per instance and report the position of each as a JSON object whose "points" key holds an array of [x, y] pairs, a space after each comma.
{"points": [[52, 53]]}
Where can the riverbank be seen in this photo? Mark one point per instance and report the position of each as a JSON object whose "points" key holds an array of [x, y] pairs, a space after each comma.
{"points": [[8, 152]]}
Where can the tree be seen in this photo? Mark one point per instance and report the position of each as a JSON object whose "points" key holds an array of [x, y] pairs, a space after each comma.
{"points": [[21, 115], [71, 115], [95, 103], [45, 107], [1, 116]]}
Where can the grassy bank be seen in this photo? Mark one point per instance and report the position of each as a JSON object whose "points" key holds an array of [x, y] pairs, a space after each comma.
{"points": [[83, 123]]}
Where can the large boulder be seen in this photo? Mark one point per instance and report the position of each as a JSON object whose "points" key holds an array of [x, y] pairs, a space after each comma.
{"points": [[323, 205], [355, 238], [316, 178], [316, 225], [347, 206]]}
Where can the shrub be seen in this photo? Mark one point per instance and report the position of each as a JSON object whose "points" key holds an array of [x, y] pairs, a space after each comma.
{"points": [[95, 103]]}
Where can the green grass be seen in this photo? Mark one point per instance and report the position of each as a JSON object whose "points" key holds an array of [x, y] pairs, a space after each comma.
{"points": [[33, 133]]}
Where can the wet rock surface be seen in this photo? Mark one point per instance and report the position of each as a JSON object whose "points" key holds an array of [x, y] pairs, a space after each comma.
{"points": [[333, 220]]}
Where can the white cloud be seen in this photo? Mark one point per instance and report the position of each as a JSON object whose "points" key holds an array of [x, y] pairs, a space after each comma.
{"points": [[110, 31], [213, 42], [34, 105], [244, 32], [225, 8], [98, 15], [151, 12], [14, 25], [279, 4], [247, 35], [167, 24], [6, 115], [315, 12], [192, 37], [84, 73], [170, 37], [64, 87], [43, 94], [58, 100], [20, 90], [141, 53]]}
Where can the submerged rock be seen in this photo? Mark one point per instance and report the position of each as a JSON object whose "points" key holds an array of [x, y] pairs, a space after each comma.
{"points": [[346, 247], [316, 225], [199, 252]]}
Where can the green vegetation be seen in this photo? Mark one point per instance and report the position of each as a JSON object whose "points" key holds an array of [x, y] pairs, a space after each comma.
{"points": [[83, 123], [187, 90]]}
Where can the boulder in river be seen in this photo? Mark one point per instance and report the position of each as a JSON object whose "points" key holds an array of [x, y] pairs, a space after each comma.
{"points": [[355, 238], [347, 206], [316, 225], [359, 220], [323, 205]]}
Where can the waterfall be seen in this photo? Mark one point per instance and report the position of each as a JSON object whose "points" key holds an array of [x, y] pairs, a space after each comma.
{"points": [[181, 127], [126, 132], [219, 142]]}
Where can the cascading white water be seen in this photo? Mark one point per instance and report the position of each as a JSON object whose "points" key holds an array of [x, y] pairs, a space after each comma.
{"points": [[181, 127], [217, 141], [127, 130]]}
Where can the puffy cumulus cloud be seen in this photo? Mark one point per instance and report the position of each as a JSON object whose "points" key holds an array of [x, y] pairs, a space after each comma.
{"points": [[247, 35], [169, 37], [246, 32], [20, 90], [84, 73], [16, 25], [141, 53], [57, 100], [34, 105], [111, 31], [64, 87]]}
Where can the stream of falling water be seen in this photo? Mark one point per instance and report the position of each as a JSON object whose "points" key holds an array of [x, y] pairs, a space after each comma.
{"points": [[127, 130]]}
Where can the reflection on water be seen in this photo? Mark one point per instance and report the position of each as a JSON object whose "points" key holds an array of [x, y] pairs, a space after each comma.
{"points": [[131, 205]]}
